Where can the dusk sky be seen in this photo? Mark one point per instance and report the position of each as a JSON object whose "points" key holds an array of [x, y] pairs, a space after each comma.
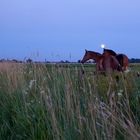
{"points": [[62, 29]]}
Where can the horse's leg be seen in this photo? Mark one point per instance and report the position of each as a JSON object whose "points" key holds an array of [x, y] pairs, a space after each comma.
{"points": [[125, 63], [97, 68], [125, 68]]}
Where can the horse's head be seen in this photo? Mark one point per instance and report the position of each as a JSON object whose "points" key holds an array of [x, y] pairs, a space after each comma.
{"points": [[90, 55], [107, 52], [86, 56]]}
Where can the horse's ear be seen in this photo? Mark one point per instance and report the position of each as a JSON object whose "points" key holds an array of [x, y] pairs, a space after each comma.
{"points": [[85, 50]]}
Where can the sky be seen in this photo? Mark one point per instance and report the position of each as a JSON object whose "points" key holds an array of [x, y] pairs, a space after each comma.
{"points": [[55, 30]]}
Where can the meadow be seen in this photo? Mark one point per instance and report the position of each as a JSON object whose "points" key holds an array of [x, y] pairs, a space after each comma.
{"points": [[68, 102]]}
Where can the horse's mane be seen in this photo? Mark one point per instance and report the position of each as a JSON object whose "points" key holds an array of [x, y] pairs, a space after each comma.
{"points": [[95, 53], [110, 51]]}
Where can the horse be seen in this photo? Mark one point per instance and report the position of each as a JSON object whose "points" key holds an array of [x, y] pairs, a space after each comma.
{"points": [[103, 63], [91, 55], [122, 58], [97, 57]]}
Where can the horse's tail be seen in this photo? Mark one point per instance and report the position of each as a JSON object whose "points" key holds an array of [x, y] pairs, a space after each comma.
{"points": [[120, 59], [119, 68]]}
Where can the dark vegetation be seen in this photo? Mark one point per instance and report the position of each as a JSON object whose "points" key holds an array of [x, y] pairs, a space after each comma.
{"points": [[132, 60]]}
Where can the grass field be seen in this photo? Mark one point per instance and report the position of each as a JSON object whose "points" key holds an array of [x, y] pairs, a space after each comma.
{"points": [[60, 102]]}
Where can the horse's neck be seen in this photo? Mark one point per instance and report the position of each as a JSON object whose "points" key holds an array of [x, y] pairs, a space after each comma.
{"points": [[109, 52], [98, 57], [95, 56]]}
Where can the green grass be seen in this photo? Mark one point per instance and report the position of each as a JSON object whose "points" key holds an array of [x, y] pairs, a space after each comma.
{"points": [[58, 101]]}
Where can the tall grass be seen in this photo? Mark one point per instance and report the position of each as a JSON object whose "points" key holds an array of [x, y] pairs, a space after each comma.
{"points": [[56, 102]]}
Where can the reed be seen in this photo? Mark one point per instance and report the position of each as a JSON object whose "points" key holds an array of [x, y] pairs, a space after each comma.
{"points": [[60, 102]]}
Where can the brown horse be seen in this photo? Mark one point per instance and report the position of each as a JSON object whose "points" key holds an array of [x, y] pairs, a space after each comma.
{"points": [[91, 55], [97, 57], [122, 58], [103, 63]]}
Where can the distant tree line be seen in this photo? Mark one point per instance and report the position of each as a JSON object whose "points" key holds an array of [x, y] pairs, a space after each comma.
{"points": [[134, 60]]}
